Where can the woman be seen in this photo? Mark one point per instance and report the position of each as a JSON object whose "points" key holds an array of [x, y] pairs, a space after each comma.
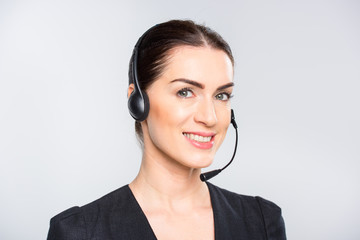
{"points": [[181, 81]]}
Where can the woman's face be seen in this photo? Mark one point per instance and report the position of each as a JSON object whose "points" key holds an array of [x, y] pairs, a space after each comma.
{"points": [[189, 107]]}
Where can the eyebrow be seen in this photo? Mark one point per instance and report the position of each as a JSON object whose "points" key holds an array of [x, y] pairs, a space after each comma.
{"points": [[225, 86], [199, 85]]}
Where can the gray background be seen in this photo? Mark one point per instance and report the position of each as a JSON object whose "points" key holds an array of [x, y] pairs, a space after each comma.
{"points": [[66, 137]]}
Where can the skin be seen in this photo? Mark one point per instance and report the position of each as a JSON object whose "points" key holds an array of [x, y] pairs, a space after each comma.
{"points": [[176, 203]]}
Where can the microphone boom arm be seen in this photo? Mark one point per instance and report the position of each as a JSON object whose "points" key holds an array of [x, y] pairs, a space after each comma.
{"points": [[208, 175]]}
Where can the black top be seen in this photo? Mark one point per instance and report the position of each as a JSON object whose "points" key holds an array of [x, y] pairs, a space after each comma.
{"points": [[118, 216]]}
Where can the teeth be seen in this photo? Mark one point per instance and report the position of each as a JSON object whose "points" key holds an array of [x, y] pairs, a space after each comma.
{"points": [[197, 138]]}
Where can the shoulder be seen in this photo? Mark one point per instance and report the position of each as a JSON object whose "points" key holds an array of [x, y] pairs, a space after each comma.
{"points": [[257, 210], [232, 199], [74, 222], [273, 220], [240, 200], [68, 224]]}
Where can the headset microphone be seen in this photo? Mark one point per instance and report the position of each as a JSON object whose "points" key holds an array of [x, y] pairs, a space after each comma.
{"points": [[208, 175]]}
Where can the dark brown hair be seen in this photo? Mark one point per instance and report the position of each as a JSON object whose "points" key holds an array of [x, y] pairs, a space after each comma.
{"points": [[154, 49]]}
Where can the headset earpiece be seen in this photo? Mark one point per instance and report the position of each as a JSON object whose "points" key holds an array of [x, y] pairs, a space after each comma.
{"points": [[138, 102]]}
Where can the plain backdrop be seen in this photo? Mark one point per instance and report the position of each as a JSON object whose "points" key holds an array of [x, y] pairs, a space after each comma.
{"points": [[66, 137]]}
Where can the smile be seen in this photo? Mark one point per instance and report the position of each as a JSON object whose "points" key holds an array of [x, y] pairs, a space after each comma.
{"points": [[197, 138], [202, 141]]}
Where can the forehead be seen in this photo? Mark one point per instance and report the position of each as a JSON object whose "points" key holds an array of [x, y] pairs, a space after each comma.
{"points": [[198, 63]]}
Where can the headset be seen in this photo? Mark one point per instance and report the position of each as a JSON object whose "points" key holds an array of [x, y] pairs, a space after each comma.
{"points": [[138, 102], [139, 105]]}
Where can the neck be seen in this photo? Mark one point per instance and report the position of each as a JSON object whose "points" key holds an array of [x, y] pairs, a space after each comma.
{"points": [[167, 184]]}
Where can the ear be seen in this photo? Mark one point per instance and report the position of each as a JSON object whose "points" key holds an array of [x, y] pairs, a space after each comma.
{"points": [[130, 89]]}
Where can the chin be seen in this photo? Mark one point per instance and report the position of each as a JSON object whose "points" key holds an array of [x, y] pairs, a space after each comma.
{"points": [[200, 162]]}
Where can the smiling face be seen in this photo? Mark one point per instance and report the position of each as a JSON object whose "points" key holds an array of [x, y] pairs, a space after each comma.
{"points": [[189, 108]]}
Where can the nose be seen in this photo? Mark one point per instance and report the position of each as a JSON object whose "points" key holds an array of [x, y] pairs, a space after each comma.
{"points": [[206, 113]]}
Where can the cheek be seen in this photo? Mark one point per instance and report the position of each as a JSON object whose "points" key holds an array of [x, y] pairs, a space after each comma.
{"points": [[167, 113], [224, 114], [224, 117], [164, 120]]}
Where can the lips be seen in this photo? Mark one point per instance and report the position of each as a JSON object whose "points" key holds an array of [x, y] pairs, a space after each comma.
{"points": [[200, 140]]}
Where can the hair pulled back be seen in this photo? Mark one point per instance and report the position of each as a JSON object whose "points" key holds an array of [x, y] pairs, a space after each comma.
{"points": [[154, 50]]}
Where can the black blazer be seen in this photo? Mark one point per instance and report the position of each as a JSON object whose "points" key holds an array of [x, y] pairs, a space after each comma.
{"points": [[118, 216]]}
